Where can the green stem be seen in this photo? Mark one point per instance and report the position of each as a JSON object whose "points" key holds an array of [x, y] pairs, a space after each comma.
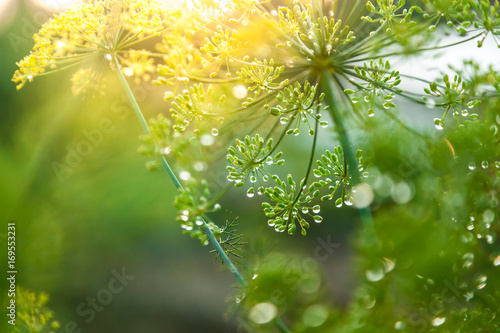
{"points": [[332, 97], [229, 264], [280, 325]]}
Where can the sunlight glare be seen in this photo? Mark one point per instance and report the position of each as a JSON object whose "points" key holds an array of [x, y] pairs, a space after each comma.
{"points": [[7, 12], [55, 5]]}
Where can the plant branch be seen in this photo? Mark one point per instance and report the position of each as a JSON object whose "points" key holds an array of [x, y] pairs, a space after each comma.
{"points": [[229, 264], [333, 95], [280, 325]]}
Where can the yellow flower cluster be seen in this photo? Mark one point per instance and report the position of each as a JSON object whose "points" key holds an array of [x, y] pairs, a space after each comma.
{"points": [[98, 28]]}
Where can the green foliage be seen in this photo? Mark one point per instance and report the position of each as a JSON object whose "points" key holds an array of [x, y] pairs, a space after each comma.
{"points": [[452, 97], [486, 18], [200, 106], [334, 173], [230, 241], [292, 204], [192, 204], [297, 104], [428, 198], [33, 314], [379, 85], [248, 160], [261, 76], [158, 143], [387, 14]]}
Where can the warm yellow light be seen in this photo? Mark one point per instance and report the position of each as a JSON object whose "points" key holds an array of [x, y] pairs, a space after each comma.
{"points": [[7, 12], [55, 5], [58, 5]]}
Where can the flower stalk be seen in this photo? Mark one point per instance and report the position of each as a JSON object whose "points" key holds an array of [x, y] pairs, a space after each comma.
{"points": [[333, 95], [211, 237]]}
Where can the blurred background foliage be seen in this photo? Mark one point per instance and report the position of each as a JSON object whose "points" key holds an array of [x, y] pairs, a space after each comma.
{"points": [[76, 226], [109, 212]]}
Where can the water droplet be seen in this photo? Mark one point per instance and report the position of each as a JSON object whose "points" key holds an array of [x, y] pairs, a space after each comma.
{"points": [[165, 151], [108, 56], [184, 175], [496, 261], [438, 124], [488, 216], [316, 209], [263, 313], [375, 275], [362, 195], [399, 325], [438, 321], [315, 315], [250, 194], [240, 92], [430, 103], [401, 193], [305, 210], [489, 239], [389, 265], [371, 113], [200, 166], [215, 132], [237, 300], [217, 206], [283, 120], [465, 112], [184, 218], [318, 219], [472, 166], [207, 140], [481, 282], [128, 71], [369, 302], [198, 221], [484, 164], [255, 276]]}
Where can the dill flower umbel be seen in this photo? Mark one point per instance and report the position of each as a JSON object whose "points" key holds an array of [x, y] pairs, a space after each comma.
{"points": [[98, 29]]}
